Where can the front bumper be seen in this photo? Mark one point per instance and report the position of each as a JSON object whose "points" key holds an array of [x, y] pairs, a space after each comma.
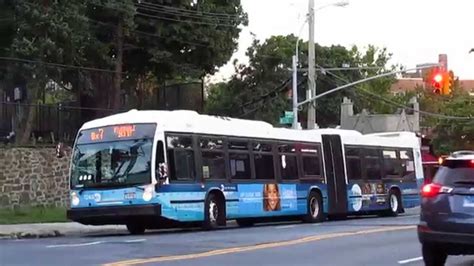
{"points": [[113, 214]]}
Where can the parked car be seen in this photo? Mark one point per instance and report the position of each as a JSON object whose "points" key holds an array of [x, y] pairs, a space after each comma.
{"points": [[447, 210]]}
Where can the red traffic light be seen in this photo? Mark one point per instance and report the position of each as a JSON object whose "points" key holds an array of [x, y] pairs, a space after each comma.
{"points": [[438, 78]]}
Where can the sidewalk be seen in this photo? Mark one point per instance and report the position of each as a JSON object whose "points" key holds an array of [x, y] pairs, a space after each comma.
{"points": [[42, 230]]}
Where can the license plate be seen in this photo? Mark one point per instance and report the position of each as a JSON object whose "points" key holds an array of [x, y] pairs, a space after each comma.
{"points": [[130, 195], [468, 201]]}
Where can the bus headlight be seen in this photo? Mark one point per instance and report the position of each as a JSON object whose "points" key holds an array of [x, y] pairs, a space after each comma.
{"points": [[74, 199], [148, 193]]}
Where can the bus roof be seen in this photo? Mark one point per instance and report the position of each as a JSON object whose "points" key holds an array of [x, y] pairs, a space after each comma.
{"points": [[192, 122]]}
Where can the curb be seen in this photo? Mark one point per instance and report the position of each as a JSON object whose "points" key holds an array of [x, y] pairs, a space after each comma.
{"points": [[30, 235]]}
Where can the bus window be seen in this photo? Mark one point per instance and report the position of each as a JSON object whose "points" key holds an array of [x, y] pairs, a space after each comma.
{"points": [[391, 164], [372, 163], [181, 158], [407, 168], [213, 159], [288, 161], [263, 157], [311, 161], [239, 159], [239, 166], [353, 160]]}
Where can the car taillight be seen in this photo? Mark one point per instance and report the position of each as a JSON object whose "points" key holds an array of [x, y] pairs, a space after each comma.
{"points": [[432, 190]]}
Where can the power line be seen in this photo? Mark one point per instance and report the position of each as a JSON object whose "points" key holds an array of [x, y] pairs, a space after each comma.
{"points": [[15, 59], [60, 106], [142, 32], [404, 106], [146, 7], [264, 97], [153, 35], [169, 19], [185, 21], [187, 10]]}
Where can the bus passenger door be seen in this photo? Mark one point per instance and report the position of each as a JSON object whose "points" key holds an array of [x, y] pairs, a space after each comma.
{"points": [[335, 174]]}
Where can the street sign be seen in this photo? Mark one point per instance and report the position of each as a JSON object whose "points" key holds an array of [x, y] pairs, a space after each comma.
{"points": [[286, 120]]}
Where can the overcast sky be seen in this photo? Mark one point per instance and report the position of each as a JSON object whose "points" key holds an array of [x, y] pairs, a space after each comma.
{"points": [[415, 31]]}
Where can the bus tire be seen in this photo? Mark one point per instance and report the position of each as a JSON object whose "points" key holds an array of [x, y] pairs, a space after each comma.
{"points": [[214, 213], [315, 212], [244, 222], [394, 203], [136, 228]]}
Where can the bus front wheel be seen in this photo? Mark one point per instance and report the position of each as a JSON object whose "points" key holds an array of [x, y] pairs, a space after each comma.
{"points": [[214, 213], [136, 228], [315, 212]]}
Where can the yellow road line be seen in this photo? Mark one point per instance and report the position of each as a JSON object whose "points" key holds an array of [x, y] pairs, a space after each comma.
{"points": [[258, 246]]}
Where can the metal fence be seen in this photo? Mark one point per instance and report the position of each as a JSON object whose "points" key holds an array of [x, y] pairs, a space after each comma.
{"points": [[52, 123]]}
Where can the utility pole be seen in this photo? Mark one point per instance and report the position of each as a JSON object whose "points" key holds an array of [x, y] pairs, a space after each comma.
{"points": [[311, 90], [295, 92]]}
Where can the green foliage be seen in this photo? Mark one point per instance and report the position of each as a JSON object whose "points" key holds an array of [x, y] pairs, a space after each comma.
{"points": [[132, 43], [32, 215], [269, 67], [450, 134]]}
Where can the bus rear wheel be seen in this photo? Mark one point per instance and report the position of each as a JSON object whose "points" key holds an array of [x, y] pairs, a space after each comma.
{"points": [[394, 204], [136, 228], [315, 208]]}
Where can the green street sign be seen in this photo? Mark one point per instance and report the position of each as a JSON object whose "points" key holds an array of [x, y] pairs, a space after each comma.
{"points": [[286, 120], [288, 114]]}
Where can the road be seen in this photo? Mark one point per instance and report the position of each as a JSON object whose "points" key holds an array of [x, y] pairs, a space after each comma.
{"points": [[361, 241]]}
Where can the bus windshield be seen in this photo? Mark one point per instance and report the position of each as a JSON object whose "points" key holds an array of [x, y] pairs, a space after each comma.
{"points": [[115, 156]]}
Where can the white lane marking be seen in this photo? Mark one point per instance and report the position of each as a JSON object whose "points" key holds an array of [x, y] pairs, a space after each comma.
{"points": [[410, 260], [95, 243], [285, 226], [76, 245], [135, 240]]}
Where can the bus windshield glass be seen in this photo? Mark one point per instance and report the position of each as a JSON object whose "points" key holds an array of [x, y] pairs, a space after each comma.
{"points": [[113, 156]]}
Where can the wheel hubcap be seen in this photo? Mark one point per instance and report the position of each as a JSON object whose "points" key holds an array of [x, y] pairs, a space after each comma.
{"points": [[213, 212], [314, 207], [394, 203]]}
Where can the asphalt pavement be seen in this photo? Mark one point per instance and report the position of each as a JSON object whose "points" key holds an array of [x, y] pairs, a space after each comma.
{"points": [[361, 241]]}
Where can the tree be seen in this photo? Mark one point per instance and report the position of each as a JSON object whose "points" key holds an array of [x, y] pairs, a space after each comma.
{"points": [[449, 134], [178, 39], [108, 49], [47, 32], [260, 89]]}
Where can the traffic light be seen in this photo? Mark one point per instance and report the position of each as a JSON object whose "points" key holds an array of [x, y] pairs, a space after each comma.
{"points": [[449, 84], [438, 82], [442, 82]]}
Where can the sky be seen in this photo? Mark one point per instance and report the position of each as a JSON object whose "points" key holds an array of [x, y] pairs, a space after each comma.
{"points": [[415, 31]]}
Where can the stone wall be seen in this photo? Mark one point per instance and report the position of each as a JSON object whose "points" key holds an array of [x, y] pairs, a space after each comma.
{"points": [[33, 177]]}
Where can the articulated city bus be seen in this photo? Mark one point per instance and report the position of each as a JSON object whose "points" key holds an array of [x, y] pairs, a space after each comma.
{"points": [[146, 169]]}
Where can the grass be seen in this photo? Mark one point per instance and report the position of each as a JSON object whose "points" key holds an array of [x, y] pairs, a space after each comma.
{"points": [[33, 215]]}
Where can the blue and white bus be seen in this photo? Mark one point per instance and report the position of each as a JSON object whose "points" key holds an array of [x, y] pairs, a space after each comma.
{"points": [[146, 169]]}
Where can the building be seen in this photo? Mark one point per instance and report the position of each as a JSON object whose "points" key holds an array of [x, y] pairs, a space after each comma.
{"points": [[411, 81]]}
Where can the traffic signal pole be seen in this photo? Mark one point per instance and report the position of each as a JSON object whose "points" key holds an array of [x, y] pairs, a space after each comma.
{"points": [[295, 96]]}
